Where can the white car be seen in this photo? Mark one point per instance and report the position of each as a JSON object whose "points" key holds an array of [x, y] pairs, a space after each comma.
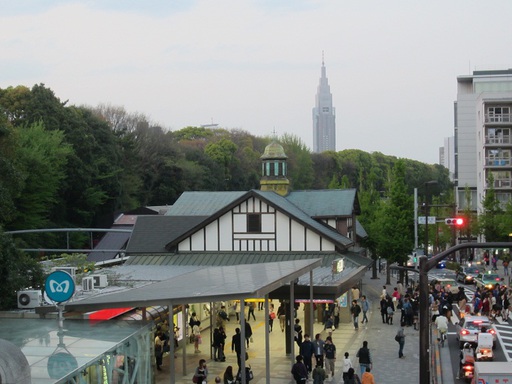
{"points": [[469, 327]]}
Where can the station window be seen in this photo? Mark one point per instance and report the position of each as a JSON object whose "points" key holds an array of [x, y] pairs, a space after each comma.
{"points": [[254, 223]]}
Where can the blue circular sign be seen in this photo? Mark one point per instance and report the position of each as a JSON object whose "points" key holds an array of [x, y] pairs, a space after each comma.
{"points": [[59, 286]]}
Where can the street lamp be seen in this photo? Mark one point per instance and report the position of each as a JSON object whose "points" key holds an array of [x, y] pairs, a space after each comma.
{"points": [[424, 320]]}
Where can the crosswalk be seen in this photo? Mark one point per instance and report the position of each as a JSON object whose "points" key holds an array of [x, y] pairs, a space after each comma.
{"points": [[504, 333]]}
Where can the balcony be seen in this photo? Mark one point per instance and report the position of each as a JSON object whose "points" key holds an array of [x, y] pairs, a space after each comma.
{"points": [[498, 161], [503, 184], [498, 118], [498, 140]]}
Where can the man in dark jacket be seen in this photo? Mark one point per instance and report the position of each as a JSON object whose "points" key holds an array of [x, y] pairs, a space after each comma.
{"points": [[365, 359], [299, 371], [307, 350], [355, 310], [236, 345]]}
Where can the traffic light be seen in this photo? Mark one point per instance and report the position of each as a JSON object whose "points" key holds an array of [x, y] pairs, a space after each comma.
{"points": [[456, 221]]}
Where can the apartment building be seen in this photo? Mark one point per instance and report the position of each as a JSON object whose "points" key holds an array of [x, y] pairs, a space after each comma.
{"points": [[483, 145]]}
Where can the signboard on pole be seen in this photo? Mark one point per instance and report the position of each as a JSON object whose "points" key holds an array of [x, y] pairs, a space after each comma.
{"points": [[431, 220]]}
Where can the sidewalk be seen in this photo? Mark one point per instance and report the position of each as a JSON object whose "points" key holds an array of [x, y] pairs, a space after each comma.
{"points": [[387, 367]]}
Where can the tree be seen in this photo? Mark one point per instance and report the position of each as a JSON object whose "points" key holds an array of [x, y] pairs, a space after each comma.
{"points": [[17, 271], [300, 165], [396, 234], [41, 157], [491, 222]]}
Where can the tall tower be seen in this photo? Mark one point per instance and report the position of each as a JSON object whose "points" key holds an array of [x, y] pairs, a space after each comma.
{"points": [[324, 117]]}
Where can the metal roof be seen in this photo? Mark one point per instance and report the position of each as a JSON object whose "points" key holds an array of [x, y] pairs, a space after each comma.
{"points": [[202, 203], [326, 202], [237, 258], [152, 233], [110, 241], [204, 284]]}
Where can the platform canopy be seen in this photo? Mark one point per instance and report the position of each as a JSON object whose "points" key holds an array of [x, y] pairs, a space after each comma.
{"points": [[203, 284]]}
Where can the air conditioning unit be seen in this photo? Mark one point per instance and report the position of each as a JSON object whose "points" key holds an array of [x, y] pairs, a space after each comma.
{"points": [[100, 281], [29, 299], [70, 270], [87, 284]]}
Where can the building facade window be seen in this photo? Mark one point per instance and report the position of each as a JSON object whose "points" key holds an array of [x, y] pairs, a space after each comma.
{"points": [[254, 223]]}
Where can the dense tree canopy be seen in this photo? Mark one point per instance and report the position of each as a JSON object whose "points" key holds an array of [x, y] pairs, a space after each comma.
{"points": [[77, 166]]}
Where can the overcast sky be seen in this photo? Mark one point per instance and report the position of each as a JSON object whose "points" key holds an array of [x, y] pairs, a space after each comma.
{"points": [[255, 65]]}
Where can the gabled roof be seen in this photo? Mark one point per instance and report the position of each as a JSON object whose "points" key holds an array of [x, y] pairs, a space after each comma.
{"points": [[111, 240], [203, 203], [326, 202], [196, 201], [152, 233]]}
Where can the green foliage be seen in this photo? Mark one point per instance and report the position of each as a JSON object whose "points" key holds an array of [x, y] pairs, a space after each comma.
{"points": [[300, 165], [395, 231], [41, 157], [494, 221], [17, 271]]}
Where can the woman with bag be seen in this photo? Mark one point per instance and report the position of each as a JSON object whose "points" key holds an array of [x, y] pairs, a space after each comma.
{"points": [[271, 317], [201, 373], [196, 331]]}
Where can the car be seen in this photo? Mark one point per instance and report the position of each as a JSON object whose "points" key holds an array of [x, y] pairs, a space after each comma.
{"points": [[488, 280], [447, 283], [468, 274], [469, 327], [441, 264]]}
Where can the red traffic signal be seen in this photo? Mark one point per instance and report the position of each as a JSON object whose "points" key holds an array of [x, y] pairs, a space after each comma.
{"points": [[457, 221]]}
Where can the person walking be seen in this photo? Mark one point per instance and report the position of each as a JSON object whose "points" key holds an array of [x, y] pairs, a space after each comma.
{"points": [[355, 310], [307, 350], [216, 344], [384, 310], [318, 375], [222, 317], [159, 350], [236, 345], [248, 333], [297, 332], [330, 356], [271, 317], [400, 337], [319, 349], [251, 312], [299, 371], [347, 364], [365, 358], [281, 314], [367, 377], [336, 313], [390, 310], [365, 306]]}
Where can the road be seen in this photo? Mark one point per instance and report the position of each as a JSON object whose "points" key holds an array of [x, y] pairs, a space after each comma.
{"points": [[503, 351]]}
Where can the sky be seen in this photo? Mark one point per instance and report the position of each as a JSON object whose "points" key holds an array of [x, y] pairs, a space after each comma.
{"points": [[392, 66]]}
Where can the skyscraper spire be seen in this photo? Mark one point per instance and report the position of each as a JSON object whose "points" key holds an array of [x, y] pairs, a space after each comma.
{"points": [[324, 124]]}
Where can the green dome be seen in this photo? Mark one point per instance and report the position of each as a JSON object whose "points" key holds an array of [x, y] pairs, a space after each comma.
{"points": [[274, 151]]}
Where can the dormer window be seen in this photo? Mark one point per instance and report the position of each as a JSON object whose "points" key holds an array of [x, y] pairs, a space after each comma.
{"points": [[254, 223]]}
